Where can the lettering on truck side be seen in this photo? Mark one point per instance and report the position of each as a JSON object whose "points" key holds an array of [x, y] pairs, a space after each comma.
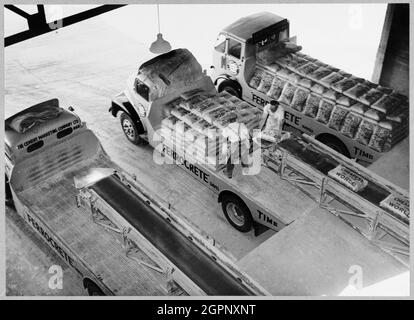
{"points": [[289, 117], [50, 241], [195, 170], [76, 125], [265, 218], [362, 153], [259, 100]]}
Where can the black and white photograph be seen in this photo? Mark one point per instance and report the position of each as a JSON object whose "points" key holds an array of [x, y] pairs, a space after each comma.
{"points": [[161, 149]]}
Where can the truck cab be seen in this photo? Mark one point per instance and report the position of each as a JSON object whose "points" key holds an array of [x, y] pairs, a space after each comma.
{"points": [[235, 49], [144, 103]]}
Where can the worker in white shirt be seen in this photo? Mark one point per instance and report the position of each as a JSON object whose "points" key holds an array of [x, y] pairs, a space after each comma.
{"points": [[237, 146], [272, 121]]}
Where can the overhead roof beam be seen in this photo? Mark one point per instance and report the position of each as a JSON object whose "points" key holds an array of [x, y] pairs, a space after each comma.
{"points": [[38, 25]]}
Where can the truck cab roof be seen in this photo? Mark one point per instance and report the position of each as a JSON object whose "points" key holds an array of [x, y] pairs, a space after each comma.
{"points": [[255, 26], [169, 71]]}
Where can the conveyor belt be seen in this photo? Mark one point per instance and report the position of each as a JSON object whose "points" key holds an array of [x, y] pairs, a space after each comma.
{"points": [[191, 260], [373, 192]]}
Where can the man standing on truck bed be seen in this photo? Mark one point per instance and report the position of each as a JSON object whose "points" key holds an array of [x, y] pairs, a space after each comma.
{"points": [[237, 146], [272, 121]]}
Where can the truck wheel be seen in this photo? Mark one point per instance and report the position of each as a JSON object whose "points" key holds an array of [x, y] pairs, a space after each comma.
{"points": [[8, 196], [93, 289], [130, 129], [335, 144], [237, 213], [230, 88]]}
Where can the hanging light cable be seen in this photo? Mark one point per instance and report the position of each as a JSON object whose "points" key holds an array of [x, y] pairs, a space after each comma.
{"points": [[160, 45]]}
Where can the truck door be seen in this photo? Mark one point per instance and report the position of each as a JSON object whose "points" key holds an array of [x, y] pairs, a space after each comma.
{"points": [[228, 55], [233, 57]]}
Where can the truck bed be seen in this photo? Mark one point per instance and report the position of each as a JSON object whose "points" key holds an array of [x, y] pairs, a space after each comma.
{"points": [[53, 202], [315, 256], [276, 195], [298, 74]]}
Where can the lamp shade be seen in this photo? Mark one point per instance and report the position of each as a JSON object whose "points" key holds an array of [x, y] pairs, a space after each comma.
{"points": [[160, 45]]}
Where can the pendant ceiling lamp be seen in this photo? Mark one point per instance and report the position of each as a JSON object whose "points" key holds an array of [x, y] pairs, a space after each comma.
{"points": [[160, 45]]}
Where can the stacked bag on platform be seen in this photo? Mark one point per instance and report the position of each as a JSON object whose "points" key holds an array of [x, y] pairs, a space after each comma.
{"points": [[197, 119], [373, 115]]}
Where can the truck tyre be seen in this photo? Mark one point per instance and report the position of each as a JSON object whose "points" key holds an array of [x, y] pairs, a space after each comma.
{"points": [[335, 144], [93, 289], [237, 213], [230, 87], [8, 196], [130, 129]]}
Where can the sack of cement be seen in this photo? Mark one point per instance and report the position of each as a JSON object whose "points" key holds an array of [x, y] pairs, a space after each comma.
{"points": [[351, 124], [348, 178], [399, 205], [365, 131], [24, 122], [380, 136]]}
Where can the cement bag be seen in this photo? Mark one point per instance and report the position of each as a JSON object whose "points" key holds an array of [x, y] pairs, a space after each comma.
{"points": [[345, 101], [28, 120], [217, 113], [325, 110], [307, 69], [331, 95], [400, 205], [203, 106], [246, 112], [312, 105], [380, 136], [357, 91], [319, 74], [225, 120], [344, 85], [256, 79], [348, 178], [317, 88], [266, 82], [338, 115], [179, 112], [299, 99], [192, 102], [201, 126], [169, 122], [371, 96], [365, 131], [191, 118], [331, 79], [287, 93], [276, 88], [304, 82], [390, 102], [351, 124]]}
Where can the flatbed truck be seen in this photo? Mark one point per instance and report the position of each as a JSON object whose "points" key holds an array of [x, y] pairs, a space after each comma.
{"points": [[295, 176], [256, 59]]}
